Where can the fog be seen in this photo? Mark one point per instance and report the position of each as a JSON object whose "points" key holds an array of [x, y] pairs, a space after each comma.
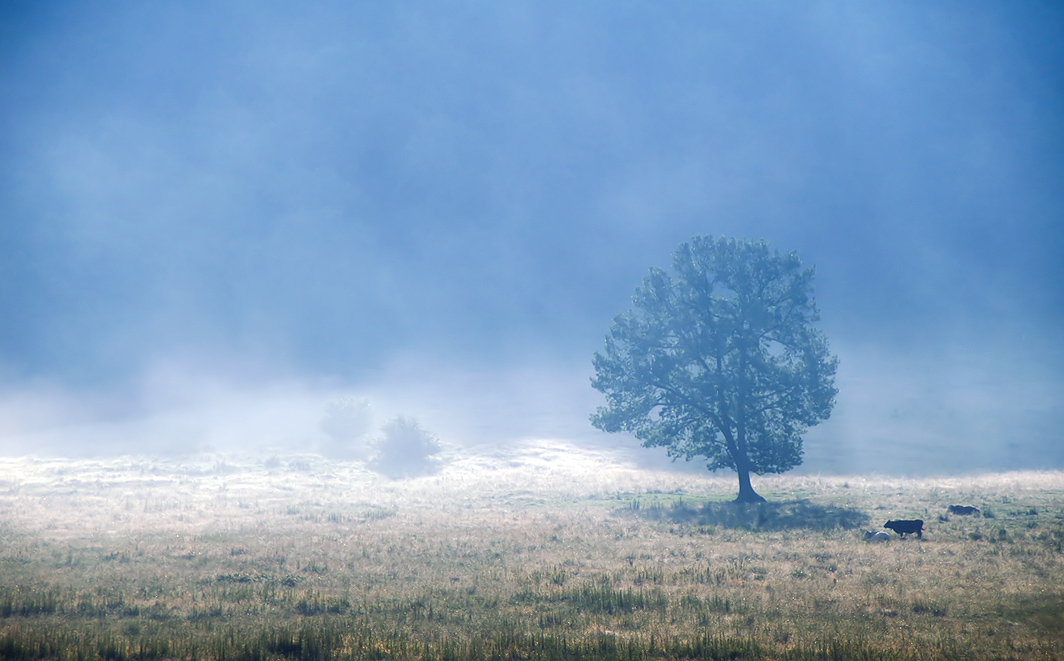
{"points": [[218, 223]]}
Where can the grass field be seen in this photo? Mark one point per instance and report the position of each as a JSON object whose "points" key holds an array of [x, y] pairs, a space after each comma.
{"points": [[548, 552]]}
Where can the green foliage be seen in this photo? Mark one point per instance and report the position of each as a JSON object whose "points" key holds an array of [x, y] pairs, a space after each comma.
{"points": [[599, 597], [720, 359]]}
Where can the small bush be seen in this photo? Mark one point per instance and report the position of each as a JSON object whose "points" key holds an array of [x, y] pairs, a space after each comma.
{"points": [[346, 423], [405, 450]]}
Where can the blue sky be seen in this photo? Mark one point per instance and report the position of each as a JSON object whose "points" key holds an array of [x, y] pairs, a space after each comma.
{"points": [[323, 192]]}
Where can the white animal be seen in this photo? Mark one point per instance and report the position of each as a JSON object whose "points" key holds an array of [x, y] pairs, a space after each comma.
{"points": [[877, 536]]}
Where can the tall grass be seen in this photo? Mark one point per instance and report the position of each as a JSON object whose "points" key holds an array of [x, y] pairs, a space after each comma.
{"points": [[521, 559]]}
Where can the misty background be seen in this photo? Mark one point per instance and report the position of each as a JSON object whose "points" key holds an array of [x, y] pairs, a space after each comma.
{"points": [[218, 220]]}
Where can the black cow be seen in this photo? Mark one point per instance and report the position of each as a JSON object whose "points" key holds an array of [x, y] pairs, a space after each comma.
{"points": [[904, 528], [963, 510]]}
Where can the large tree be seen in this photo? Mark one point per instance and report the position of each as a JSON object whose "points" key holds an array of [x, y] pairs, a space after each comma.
{"points": [[720, 359]]}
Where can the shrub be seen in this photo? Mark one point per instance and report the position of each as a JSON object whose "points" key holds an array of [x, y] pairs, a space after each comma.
{"points": [[406, 449], [346, 423]]}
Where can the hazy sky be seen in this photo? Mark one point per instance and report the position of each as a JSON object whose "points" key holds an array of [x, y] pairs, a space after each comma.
{"points": [[448, 202]]}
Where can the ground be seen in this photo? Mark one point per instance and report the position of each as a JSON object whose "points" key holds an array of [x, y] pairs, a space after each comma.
{"points": [[547, 551]]}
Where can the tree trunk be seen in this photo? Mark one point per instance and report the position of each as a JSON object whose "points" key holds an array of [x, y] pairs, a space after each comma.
{"points": [[746, 491]]}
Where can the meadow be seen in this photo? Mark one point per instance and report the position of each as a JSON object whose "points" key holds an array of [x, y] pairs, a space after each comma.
{"points": [[545, 552]]}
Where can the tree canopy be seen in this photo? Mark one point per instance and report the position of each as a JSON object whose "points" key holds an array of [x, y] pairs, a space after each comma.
{"points": [[720, 359]]}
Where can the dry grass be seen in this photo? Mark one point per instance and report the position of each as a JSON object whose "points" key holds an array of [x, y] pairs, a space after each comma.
{"points": [[302, 558]]}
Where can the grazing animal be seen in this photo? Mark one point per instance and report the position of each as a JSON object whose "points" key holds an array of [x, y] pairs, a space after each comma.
{"points": [[877, 536], [963, 510], [904, 527]]}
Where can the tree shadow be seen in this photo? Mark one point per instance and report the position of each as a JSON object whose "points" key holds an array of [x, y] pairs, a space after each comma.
{"points": [[790, 515]]}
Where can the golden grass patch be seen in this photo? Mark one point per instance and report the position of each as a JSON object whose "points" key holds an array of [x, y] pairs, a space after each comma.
{"points": [[553, 552]]}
